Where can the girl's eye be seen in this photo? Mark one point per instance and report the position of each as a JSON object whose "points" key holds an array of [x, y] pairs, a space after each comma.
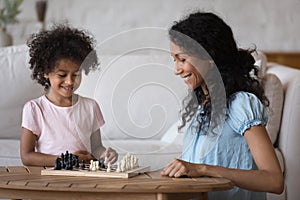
{"points": [[62, 75], [77, 75], [182, 60]]}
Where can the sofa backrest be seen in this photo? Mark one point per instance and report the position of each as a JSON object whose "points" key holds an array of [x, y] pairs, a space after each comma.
{"points": [[139, 95], [16, 89]]}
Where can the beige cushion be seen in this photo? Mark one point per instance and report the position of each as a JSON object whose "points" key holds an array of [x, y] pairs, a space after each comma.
{"points": [[274, 92]]}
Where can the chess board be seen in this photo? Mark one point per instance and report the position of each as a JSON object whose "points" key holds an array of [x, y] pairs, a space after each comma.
{"points": [[98, 173]]}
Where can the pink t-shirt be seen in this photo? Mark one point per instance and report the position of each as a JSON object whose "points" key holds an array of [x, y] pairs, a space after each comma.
{"points": [[61, 129]]}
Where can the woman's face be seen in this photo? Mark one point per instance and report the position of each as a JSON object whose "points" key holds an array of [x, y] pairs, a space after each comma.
{"points": [[186, 70]]}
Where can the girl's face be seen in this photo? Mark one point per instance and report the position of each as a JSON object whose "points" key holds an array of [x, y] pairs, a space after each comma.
{"points": [[186, 70], [64, 80]]}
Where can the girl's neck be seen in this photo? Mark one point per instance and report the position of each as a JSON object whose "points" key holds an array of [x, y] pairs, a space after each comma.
{"points": [[60, 101]]}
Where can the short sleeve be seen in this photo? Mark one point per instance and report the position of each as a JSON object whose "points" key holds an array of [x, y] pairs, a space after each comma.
{"points": [[98, 120], [246, 110], [30, 118]]}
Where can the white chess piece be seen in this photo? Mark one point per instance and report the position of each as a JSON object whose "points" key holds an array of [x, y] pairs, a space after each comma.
{"points": [[91, 164], [108, 167], [123, 163], [97, 165], [94, 166], [118, 167]]}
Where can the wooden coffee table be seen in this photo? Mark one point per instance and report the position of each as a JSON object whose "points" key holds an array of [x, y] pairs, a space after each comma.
{"points": [[27, 183]]}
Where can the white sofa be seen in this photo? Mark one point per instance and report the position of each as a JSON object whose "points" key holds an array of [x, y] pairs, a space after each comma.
{"points": [[140, 98]]}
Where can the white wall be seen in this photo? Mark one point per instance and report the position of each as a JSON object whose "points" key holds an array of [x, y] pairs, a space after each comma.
{"points": [[271, 25]]}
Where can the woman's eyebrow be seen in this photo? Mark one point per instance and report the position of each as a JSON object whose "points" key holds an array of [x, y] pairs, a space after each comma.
{"points": [[178, 54]]}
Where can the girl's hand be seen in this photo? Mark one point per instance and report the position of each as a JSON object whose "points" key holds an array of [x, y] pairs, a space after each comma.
{"points": [[110, 155], [84, 155], [178, 168]]}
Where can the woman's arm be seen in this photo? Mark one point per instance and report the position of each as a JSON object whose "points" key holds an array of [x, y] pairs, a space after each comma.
{"points": [[267, 178], [99, 151], [29, 156]]}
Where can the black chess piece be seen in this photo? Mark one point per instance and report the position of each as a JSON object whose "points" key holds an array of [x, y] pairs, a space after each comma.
{"points": [[70, 163], [82, 165], [63, 160], [101, 163], [75, 161], [57, 164]]}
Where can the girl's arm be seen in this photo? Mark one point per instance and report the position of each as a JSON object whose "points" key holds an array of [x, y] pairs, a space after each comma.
{"points": [[268, 177], [99, 151], [29, 156]]}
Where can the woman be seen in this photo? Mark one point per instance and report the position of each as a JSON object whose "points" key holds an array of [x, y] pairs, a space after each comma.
{"points": [[226, 111]]}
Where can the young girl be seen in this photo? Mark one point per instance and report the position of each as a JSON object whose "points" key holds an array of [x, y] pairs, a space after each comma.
{"points": [[237, 148], [61, 120]]}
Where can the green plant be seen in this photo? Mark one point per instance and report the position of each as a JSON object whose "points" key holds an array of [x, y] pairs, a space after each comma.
{"points": [[9, 12]]}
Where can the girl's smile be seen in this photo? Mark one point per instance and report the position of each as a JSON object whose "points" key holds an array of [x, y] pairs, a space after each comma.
{"points": [[64, 80]]}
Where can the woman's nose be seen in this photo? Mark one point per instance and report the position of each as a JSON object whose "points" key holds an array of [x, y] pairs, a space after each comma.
{"points": [[178, 70]]}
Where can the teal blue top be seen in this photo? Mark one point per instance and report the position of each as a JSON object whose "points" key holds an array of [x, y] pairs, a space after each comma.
{"points": [[229, 148]]}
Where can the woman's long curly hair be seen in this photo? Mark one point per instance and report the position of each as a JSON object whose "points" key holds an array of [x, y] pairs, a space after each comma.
{"points": [[48, 47], [236, 66]]}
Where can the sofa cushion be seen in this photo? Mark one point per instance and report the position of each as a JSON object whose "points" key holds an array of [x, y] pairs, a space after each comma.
{"points": [[274, 92], [10, 152], [16, 88]]}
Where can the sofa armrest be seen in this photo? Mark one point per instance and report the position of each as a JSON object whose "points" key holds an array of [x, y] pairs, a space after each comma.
{"points": [[289, 137]]}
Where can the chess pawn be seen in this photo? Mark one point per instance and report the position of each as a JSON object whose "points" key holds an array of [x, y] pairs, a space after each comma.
{"points": [[91, 164], [57, 164], [123, 165], [101, 163], [108, 167], [82, 165], [118, 167], [97, 165]]}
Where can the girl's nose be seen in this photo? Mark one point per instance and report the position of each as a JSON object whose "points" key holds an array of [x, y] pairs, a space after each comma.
{"points": [[70, 80]]}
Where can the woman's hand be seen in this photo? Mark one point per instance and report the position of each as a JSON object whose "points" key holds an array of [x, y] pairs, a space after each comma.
{"points": [[84, 155], [178, 168], [110, 155]]}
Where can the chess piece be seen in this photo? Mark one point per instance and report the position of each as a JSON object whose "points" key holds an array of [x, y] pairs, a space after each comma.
{"points": [[75, 161], [108, 167], [63, 160], [57, 164], [82, 165], [102, 163], [97, 165], [91, 164], [118, 167]]}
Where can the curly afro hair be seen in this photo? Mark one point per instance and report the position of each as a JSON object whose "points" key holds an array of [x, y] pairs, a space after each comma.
{"points": [[48, 47]]}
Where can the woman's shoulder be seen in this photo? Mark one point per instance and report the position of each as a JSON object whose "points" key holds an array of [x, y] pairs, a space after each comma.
{"points": [[244, 110], [242, 95]]}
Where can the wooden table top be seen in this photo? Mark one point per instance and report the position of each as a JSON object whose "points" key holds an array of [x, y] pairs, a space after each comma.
{"points": [[22, 178]]}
